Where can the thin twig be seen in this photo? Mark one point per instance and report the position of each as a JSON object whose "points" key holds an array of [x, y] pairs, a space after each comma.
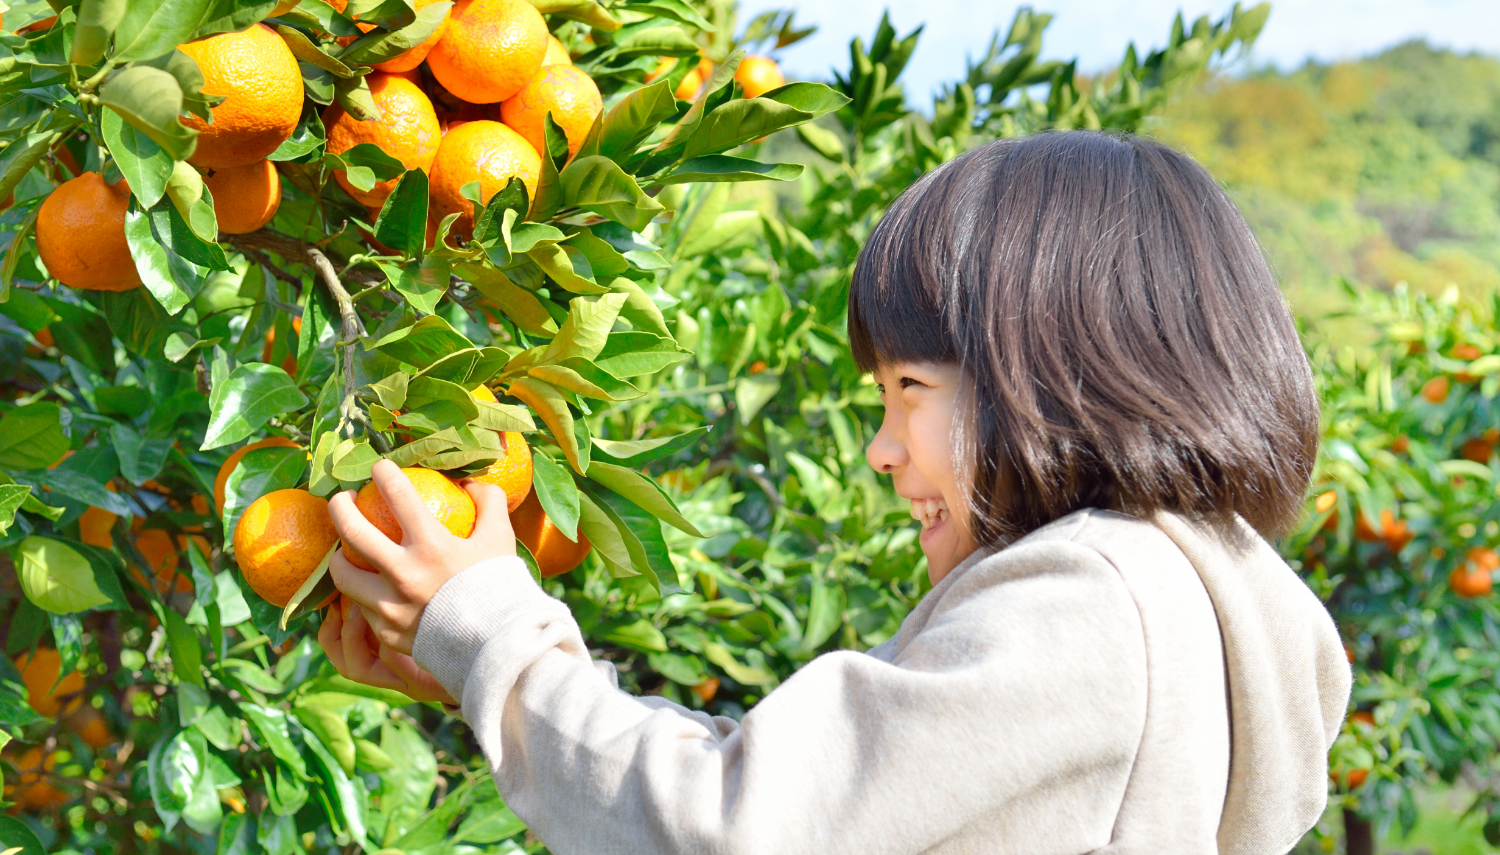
{"points": [[350, 335]]}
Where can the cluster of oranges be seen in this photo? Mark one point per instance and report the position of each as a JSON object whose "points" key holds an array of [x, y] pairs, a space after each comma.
{"points": [[282, 536], [51, 697], [1470, 578], [467, 104]]}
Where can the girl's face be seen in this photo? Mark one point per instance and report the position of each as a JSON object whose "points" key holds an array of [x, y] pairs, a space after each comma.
{"points": [[915, 447]]}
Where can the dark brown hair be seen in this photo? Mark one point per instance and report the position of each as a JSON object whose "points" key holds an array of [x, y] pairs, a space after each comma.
{"points": [[1122, 339]]}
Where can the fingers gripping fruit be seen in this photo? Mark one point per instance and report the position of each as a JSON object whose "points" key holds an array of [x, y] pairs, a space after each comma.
{"points": [[262, 87], [446, 500], [280, 540]]}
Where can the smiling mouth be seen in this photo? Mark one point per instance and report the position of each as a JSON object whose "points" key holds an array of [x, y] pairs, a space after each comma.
{"points": [[929, 512]]}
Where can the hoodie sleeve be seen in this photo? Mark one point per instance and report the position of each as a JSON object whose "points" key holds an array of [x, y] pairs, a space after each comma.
{"points": [[1019, 706]]}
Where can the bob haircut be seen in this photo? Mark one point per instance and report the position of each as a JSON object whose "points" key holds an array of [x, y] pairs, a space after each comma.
{"points": [[1122, 340]]}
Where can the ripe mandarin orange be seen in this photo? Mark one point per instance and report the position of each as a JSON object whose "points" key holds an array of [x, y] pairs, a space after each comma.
{"points": [[758, 75], [262, 87], [554, 553], [280, 540], [38, 26], [1469, 581], [483, 151], [44, 692], [413, 58], [556, 53], [691, 82], [407, 130], [446, 500], [491, 50], [234, 459], [80, 235], [564, 91], [1435, 390], [161, 554], [511, 473], [31, 791], [245, 197]]}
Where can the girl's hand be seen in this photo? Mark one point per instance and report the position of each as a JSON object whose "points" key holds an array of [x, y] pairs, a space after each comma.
{"points": [[411, 572], [348, 648]]}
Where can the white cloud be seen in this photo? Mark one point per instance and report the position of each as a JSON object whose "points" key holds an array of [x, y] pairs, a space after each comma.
{"points": [[1097, 32]]}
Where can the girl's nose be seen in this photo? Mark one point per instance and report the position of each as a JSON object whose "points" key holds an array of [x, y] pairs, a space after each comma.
{"points": [[886, 453]]}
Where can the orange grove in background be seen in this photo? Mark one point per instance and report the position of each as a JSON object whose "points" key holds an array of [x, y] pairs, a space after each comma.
{"points": [[262, 87], [44, 692], [80, 235], [30, 790]]}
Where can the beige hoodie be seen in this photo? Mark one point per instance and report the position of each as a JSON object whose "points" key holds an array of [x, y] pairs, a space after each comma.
{"points": [[1105, 684]]}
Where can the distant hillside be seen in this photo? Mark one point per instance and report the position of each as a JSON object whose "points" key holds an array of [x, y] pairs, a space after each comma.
{"points": [[1380, 170]]}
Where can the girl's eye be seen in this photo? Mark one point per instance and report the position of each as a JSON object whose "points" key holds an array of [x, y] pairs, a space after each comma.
{"points": [[908, 382]]}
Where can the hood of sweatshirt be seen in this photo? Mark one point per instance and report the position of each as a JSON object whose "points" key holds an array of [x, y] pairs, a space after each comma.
{"points": [[1289, 682]]}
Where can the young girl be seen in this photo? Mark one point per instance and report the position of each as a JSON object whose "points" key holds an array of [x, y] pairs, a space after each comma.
{"points": [[1098, 407]]}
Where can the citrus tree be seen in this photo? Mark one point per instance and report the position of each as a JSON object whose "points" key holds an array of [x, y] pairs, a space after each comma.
{"points": [[253, 248]]}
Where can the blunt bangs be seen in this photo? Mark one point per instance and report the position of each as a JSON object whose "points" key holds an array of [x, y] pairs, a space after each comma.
{"points": [[1123, 341]]}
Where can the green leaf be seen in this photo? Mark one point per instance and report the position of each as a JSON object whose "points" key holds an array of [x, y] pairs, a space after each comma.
{"points": [[656, 38], [605, 536], [643, 492], [303, 48], [97, 20], [353, 94], [248, 398], [631, 354], [402, 224], [630, 122], [141, 459], [502, 417], [332, 730], [721, 167], [305, 139], [587, 11], [144, 164], [382, 45], [423, 283], [582, 377], [822, 141], [550, 404], [187, 656], [11, 498], [194, 205], [489, 822], [150, 99], [31, 436], [420, 450], [640, 635], [391, 390], [587, 328], [153, 262], [524, 308], [352, 460], [568, 267], [151, 28], [557, 493], [678, 10], [720, 656], [598, 184], [637, 453], [22, 155], [423, 343], [272, 727], [55, 577], [825, 613], [743, 120], [18, 838]]}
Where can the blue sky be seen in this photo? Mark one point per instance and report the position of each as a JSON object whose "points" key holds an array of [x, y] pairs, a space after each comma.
{"points": [[1097, 31]]}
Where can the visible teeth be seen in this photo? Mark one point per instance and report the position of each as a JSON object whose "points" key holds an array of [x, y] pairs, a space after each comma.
{"points": [[929, 512]]}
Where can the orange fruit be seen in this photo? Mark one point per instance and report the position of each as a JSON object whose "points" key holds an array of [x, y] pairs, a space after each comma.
{"points": [[511, 473], [234, 460], [707, 689], [262, 87], [556, 54], [691, 82], [1400, 444], [161, 554], [1466, 352], [407, 130], [280, 540], [1483, 557], [758, 75], [90, 726], [491, 50], [30, 791], [554, 553], [1469, 581], [96, 526], [39, 670], [1351, 780], [483, 151], [1477, 450], [80, 235], [38, 26], [289, 364], [564, 91], [44, 337], [1435, 390], [413, 58], [446, 500], [245, 197]]}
